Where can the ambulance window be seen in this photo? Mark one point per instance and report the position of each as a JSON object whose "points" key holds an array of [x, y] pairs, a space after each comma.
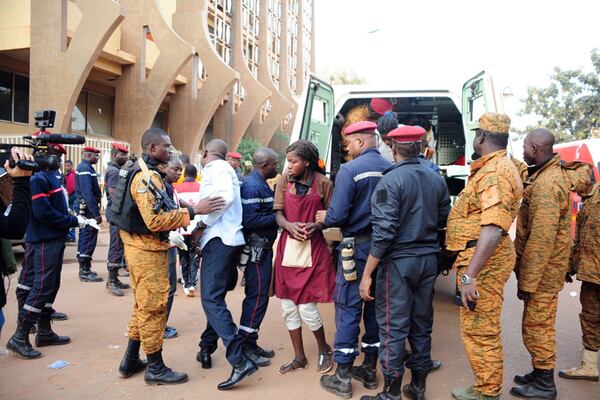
{"points": [[476, 107], [319, 111]]}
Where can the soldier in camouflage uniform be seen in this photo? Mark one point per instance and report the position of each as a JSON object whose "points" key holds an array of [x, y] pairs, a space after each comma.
{"points": [[543, 245], [585, 262], [478, 232]]}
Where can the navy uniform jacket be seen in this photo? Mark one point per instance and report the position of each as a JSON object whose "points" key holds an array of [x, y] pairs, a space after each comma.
{"points": [[87, 188], [50, 218], [257, 207], [111, 179], [350, 206], [410, 204]]}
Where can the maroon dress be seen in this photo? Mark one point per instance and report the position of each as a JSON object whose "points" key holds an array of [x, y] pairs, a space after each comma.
{"points": [[305, 285]]}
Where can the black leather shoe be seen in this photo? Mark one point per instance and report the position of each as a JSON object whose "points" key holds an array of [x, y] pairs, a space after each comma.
{"points": [[46, 336], [121, 285], [157, 373], [86, 274], [204, 358], [391, 390], [131, 362], [435, 365], [58, 316], [541, 387], [257, 359], [19, 342], [266, 353], [416, 389], [367, 371], [244, 368]]}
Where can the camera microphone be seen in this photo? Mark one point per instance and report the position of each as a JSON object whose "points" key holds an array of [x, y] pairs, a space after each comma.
{"points": [[62, 138]]}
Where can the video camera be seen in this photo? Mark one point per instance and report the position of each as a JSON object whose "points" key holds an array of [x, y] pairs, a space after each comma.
{"points": [[40, 145]]}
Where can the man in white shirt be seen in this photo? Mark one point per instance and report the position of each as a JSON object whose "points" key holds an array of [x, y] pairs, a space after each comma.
{"points": [[221, 244]]}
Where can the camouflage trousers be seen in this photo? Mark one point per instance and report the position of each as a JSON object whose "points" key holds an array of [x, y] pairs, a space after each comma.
{"points": [[590, 315], [539, 329], [150, 285], [480, 329]]}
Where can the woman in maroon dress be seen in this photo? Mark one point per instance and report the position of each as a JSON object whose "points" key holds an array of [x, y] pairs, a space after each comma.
{"points": [[304, 272]]}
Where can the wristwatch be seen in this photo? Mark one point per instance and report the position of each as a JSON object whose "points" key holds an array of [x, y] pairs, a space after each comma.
{"points": [[466, 279]]}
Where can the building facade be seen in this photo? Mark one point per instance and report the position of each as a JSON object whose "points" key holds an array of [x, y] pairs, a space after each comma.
{"points": [[199, 69]]}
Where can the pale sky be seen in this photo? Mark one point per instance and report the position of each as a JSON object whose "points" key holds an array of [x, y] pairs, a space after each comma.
{"points": [[439, 44]]}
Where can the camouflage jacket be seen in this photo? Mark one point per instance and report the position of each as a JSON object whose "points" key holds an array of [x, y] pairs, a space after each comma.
{"points": [[543, 230], [161, 221], [491, 197], [585, 258]]}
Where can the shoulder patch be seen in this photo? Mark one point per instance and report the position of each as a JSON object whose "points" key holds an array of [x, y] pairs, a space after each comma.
{"points": [[489, 197]]}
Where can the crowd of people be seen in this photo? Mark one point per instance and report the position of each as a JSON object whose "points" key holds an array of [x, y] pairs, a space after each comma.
{"points": [[398, 231]]}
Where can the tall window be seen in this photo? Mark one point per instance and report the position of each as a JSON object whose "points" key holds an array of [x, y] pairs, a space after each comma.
{"points": [[93, 114], [219, 27], [14, 97]]}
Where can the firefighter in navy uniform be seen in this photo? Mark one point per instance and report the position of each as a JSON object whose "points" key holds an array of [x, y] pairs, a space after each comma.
{"points": [[409, 206], [116, 254], [260, 231], [88, 203], [350, 210], [144, 213], [39, 279]]}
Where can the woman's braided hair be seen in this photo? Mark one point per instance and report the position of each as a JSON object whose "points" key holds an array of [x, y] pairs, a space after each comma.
{"points": [[308, 152]]}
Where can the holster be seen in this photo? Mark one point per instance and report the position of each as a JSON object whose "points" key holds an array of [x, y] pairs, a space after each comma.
{"points": [[258, 247]]}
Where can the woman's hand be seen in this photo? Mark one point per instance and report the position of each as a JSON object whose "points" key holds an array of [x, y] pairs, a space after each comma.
{"points": [[296, 230]]}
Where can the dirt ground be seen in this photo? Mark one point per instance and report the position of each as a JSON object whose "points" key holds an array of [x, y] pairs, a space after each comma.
{"points": [[97, 324]]}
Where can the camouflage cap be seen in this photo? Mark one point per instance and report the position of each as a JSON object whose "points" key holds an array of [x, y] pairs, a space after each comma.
{"points": [[495, 123]]}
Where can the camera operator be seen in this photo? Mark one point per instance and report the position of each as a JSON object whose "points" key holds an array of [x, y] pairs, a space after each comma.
{"points": [[45, 238], [14, 222]]}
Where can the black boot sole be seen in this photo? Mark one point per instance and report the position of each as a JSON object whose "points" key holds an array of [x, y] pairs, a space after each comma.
{"points": [[91, 280], [409, 394], [161, 383], [532, 397], [127, 374], [42, 344]]}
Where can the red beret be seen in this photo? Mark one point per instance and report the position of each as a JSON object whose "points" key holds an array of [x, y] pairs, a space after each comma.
{"points": [[381, 106], [91, 149], [59, 148], [361, 127], [407, 134], [234, 154], [120, 147]]}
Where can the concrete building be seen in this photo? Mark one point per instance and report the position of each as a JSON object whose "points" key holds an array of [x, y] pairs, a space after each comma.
{"points": [[197, 68]]}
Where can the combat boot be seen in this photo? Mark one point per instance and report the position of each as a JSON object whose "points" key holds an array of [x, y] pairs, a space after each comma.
{"points": [[121, 285], [391, 390], [340, 383], [19, 342], [471, 394], [85, 272], [157, 373], [111, 284], [524, 379], [367, 371], [587, 369], [46, 336], [131, 362], [416, 389], [542, 387]]}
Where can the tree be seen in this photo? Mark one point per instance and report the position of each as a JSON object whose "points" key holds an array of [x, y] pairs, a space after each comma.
{"points": [[344, 77], [570, 105], [247, 147]]}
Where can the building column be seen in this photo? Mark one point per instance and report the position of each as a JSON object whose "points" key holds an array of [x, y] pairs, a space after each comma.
{"points": [[57, 71], [194, 104], [139, 95], [263, 130]]}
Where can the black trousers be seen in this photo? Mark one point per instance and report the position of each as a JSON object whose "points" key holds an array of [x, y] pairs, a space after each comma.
{"points": [[39, 279], [404, 307], [172, 261]]}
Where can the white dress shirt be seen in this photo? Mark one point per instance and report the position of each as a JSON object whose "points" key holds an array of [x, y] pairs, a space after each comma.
{"points": [[220, 180]]}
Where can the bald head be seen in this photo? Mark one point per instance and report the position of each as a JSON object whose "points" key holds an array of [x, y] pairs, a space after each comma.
{"points": [[538, 146], [263, 155], [218, 147]]}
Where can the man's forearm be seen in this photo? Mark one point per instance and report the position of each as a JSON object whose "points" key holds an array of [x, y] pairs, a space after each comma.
{"points": [[371, 265], [486, 246]]}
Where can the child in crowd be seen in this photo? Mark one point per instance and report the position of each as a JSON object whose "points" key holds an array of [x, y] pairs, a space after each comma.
{"points": [[304, 272]]}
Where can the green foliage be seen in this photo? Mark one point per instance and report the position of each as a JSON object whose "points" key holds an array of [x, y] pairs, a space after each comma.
{"points": [[344, 77], [247, 147], [570, 105]]}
